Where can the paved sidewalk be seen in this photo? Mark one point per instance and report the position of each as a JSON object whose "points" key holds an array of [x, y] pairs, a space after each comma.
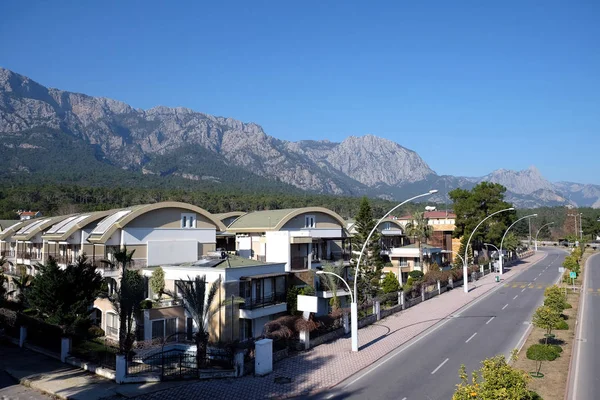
{"points": [[305, 373], [50, 376], [329, 364]]}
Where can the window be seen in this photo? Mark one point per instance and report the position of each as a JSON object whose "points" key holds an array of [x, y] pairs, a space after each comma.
{"points": [[163, 328], [112, 324], [158, 329], [170, 326], [309, 221], [188, 220], [417, 263], [245, 329]]}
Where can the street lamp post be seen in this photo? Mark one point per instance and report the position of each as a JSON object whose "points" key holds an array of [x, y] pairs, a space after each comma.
{"points": [[538, 232], [504, 236], [497, 249], [580, 227], [454, 252], [574, 215], [465, 267], [321, 272], [354, 305]]}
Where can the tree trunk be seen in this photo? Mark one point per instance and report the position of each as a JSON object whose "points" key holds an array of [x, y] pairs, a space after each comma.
{"points": [[201, 345]]}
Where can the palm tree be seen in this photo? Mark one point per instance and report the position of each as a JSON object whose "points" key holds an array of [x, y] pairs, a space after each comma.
{"points": [[200, 305], [420, 229], [22, 283], [3, 290], [122, 259]]}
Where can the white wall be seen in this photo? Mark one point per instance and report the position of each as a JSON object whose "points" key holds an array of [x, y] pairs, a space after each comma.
{"points": [[259, 324], [319, 233], [278, 248], [172, 251], [244, 246], [143, 235]]}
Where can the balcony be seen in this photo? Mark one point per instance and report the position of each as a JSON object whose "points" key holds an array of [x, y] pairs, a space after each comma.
{"points": [[252, 303], [253, 308], [111, 331]]}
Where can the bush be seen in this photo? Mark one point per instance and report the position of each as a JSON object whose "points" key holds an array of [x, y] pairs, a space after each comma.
{"points": [[95, 332], [543, 352], [567, 306], [562, 325], [416, 274], [146, 304]]}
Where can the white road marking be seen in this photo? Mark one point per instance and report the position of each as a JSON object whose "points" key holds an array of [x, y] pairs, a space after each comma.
{"points": [[523, 290], [439, 366], [506, 305], [490, 320], [404, 398], [535, 279], [472, 336], [515, 297]]}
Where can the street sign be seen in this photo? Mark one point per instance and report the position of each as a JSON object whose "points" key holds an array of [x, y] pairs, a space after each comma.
{"points": [[561, 269], [572, 275]]}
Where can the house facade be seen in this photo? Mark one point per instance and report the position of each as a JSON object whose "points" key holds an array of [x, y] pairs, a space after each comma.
{"points": [[302, 238], [259, 291]]}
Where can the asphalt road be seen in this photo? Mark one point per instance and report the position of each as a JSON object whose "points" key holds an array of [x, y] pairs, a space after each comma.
{"points": [[585, 378], [427, 367]]}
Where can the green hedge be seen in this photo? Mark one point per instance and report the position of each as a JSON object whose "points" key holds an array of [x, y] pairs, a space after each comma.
{"points": [[562, 325]]}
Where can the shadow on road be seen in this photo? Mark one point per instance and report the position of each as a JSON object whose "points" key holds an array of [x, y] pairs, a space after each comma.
{"points": [[390, 332]]}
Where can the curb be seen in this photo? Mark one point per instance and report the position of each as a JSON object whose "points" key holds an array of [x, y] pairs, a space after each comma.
{"points": [[575, 352]]}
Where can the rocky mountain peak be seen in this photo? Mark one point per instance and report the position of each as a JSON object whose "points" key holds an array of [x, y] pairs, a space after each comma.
{"points": [[521, 182]]}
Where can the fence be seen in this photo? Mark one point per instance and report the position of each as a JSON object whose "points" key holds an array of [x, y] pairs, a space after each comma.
{"points": [[96, 352], [179, 364]]}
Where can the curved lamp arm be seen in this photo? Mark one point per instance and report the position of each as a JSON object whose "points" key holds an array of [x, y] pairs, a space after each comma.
{"points": [[373, 230]]}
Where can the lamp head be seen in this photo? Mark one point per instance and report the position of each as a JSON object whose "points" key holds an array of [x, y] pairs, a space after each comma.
{"points": [[319, 272], [534, 215], [432, 191], [511, 209]]}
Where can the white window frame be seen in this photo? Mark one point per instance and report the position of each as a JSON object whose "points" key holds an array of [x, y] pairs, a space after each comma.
{"points": [[188, 220], [164, 336], [310, 221], [106, 326]]}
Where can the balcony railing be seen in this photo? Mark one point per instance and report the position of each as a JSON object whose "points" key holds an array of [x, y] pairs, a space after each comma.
{"points": [[111, 331], [14, 270], [7, 253], [299, 263], [252, 303]]}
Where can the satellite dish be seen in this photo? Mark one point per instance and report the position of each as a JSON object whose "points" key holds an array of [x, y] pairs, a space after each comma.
{"points": [[223, 255]]}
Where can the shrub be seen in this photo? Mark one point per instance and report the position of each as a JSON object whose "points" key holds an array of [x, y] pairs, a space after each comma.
{"points": [[562, 325], [146, 304], [416, 274], [567, 306], [95, 332], [390, 283], [543, 352]]}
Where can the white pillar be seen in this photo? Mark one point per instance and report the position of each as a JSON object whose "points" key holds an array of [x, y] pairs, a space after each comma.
{"points": [[304, 339], [22, 335], [439, 285], [310, 250], [354, 324], [121, 368], [238, 361], [401, 299], [377, 309], [346, 323], [65, 348], [122, 239]]}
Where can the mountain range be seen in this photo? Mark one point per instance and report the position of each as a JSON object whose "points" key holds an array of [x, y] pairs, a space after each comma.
{"points": [[75, 137]]}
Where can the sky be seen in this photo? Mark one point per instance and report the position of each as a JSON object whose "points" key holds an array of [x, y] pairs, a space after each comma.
{"points": [[472, 86]]}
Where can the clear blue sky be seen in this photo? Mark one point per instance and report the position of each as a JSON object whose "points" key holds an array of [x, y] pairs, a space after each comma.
{"points": [[448, 79]]}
